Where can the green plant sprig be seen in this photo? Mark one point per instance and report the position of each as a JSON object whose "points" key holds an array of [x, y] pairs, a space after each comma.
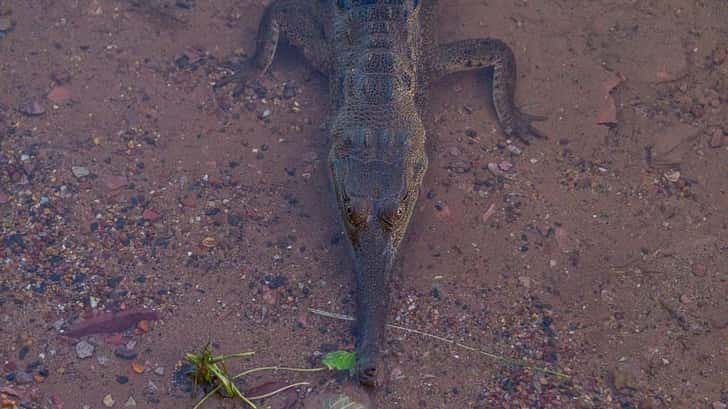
{"points": [[210, 370]]}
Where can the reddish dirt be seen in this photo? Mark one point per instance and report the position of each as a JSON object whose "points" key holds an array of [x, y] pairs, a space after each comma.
{"points": [[126, 182]]}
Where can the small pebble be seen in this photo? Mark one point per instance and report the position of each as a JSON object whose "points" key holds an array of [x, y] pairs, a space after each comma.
{"points": [[23, 378], [505, 166], [289, 90], [32, 108], [494, 169], [6, 24], [185, 4], [460, 166], [80, 171], [58, 324], [130, 403], [719, 55], [159, 370], [672, 176], [151, 215], [396, 374], [699, 270], [108, 401], [514, 149], [102, 360], [84, 350], [717, 138]]}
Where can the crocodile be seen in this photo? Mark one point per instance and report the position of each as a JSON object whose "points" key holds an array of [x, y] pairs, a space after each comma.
{"points": [[379, 57]]}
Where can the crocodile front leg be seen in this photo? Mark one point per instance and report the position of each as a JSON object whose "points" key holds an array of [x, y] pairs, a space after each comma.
{"points": [[296, 21], [477, 54]]}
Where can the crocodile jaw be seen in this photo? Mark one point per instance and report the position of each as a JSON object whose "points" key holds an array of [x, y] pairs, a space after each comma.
{"points": [[373, 259]]}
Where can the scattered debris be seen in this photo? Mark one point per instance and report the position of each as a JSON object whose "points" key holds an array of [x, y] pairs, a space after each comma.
{"points": [[607, 113], [111, 322]]}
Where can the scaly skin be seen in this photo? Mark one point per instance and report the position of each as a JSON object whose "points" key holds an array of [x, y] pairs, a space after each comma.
{"points": [[379, 56]]}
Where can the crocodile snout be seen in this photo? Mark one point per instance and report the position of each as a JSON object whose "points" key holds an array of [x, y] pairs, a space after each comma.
{"points": [[366, 373]]}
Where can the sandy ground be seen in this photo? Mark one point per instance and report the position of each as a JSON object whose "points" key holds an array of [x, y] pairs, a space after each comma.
{"points": [[127, 183]]}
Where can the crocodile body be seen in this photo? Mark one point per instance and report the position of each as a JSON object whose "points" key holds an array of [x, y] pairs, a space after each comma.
{"points": [[379, 56]]}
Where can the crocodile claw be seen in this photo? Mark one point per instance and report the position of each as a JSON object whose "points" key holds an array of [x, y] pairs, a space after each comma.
{"points": [[242, 73], [522, 128]]}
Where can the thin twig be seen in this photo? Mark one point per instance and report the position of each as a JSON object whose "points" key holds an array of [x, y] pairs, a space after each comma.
{"points": [[510, 361], [277, 391], [275, 369]]}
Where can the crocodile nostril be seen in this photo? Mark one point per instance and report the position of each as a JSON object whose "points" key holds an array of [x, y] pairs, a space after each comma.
{"points": [[368, 375]]}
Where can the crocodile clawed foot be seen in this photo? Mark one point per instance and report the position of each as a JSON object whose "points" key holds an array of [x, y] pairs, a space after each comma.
{"points": [[522, 128], [242, 73]]}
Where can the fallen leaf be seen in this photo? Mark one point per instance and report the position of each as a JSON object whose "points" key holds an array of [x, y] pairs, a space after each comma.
{"points": [[115, 182], [151, 215], [488, 213], [114, 339], [60, 95], [565, 241], [137, 367], [209, 242], [111, 322], [607, 113], [143, 326]]}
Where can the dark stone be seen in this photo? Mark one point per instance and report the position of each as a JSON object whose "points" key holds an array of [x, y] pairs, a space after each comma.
{"points": [[234, 219], [125, 354], [185, 4], [114, 281], [23, 352], [277, 281]]}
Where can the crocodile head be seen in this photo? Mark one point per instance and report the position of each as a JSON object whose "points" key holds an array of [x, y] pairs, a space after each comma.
{"points": [[376, 199]]}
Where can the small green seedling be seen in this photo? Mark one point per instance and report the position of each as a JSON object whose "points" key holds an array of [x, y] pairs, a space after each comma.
{"points": [[210, 371]]}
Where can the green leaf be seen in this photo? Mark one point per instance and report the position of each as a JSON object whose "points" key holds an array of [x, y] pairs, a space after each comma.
{"points": [[340, 360]]}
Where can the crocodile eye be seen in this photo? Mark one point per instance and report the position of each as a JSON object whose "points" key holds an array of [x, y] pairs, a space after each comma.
{"points": [[354, 217], [390, 218]]}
